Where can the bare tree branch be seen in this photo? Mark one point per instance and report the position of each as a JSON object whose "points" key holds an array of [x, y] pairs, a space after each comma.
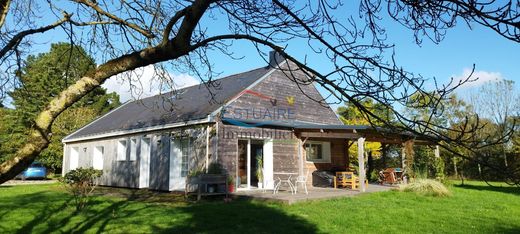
{"points": [[20, 36], [133, 26]]}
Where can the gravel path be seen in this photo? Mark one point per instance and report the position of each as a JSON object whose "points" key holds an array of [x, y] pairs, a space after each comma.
{"points": [[22, 182]]}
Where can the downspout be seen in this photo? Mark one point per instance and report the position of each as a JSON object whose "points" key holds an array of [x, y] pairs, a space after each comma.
{"points": [[207, 147], [217, 142]]}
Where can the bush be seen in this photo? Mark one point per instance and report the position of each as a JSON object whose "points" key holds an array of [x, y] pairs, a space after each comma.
{"points": [[426, 187], [215, 168], [81, 183]]}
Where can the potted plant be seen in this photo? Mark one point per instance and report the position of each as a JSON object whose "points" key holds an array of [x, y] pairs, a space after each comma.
{"points": [[192, 180], [231, 184], [260, 170]]}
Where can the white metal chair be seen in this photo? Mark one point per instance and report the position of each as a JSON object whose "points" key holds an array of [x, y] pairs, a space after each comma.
{"points": [[302, 180]]}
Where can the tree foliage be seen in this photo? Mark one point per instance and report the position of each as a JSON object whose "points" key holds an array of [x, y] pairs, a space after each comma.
{"points": [[41, 79], [350, 114]]}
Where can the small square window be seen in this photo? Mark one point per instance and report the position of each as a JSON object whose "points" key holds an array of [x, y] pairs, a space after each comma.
{"points": [[314, 151], [317, 151]]}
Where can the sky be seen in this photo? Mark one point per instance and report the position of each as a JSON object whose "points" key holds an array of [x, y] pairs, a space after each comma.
{"points": [[494, 58]]}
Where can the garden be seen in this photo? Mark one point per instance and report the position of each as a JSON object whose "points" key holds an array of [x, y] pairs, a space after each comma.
{"points": [[473, 208]]}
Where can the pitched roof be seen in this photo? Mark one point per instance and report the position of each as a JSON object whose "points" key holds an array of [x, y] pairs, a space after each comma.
{"points": [[190, 103]]}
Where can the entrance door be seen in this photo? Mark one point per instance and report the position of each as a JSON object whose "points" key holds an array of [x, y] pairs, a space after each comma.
{"points": [[243, 161], [257, 158], [144, 163], [254, 157]]}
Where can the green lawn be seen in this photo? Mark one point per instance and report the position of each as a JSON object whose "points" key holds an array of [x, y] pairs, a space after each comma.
{"points": [[476, 208]]}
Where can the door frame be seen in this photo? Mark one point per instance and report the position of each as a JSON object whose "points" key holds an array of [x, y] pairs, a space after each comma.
{"points": [[144, 162], [267, 164]]}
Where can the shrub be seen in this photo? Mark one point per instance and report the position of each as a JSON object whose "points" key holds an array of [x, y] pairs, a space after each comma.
{"points": [[81, 183], [426, 187], [215, 168]]}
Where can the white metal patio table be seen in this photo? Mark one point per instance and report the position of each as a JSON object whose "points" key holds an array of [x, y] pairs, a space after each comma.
{"points": [[287, 180]]}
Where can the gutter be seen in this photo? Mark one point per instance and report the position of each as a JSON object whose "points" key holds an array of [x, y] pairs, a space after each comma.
{"points": [[139, 130]]}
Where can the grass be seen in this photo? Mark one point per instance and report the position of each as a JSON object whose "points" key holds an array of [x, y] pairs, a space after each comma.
{"points": [[474, 208], [427, 187]]}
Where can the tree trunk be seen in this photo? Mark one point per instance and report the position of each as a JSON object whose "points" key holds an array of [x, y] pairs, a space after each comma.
{"points": [[384, 148], [167, 50], [40, 133], [455, 167], [4, 8]]}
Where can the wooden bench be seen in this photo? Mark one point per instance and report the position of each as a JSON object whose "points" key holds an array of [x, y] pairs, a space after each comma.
{"points": [[347, 179]]}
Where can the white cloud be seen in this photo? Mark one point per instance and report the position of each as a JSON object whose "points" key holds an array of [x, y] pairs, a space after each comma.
{"points": [[477, 79], [145, 82]]}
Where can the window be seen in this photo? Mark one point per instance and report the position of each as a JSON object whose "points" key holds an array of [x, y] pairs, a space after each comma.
{"points": [[316, 151], [185, 150], [74, 158], [121, 150], [133, 149], [97, 159]]}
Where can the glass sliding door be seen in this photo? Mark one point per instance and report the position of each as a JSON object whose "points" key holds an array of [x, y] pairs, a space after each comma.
{"points": [[242, 170], [250, 163], [256, 162]]}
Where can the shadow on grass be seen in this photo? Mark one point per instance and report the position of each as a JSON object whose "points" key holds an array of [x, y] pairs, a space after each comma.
{"points": [[511, 230], [143, 211], [502, 189], [237, 217]]}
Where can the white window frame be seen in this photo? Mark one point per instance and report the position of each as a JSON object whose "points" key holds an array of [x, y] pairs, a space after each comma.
{"points": [[98, 157], [325, 151], [133, 149], [121, 150], [74, 158]]}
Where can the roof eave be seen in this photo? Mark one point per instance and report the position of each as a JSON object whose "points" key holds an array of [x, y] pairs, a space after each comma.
{"points": [[207, 119]]}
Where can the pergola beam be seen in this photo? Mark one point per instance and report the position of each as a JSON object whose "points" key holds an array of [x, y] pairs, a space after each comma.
{"points": [[330, 135]]}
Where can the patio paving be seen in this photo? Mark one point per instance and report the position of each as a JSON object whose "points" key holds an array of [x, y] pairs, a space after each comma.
{"points": [[315, 193]]}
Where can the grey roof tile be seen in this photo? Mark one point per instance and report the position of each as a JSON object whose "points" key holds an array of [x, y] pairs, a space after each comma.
{"points": [[190, 103]]}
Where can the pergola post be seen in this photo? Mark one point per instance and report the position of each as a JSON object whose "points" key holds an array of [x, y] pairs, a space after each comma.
{"points": [[361, 163], [301, 160], [300, 157], [437, 152], [403, 156], [346, 154], [408, 158]]}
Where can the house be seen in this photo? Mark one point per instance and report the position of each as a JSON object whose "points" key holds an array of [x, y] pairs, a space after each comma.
{"points": [[272, 113]]}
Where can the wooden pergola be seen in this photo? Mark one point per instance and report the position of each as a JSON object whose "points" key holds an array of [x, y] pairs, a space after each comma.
{"points": [[360, 134]]}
